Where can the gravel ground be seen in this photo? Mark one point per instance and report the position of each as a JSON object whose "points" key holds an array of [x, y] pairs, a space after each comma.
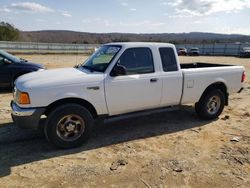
{"points": [[165, 149]]}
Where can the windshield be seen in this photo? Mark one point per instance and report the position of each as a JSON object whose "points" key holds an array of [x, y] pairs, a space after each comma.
{"points": [[9, 56], [101, 59]]}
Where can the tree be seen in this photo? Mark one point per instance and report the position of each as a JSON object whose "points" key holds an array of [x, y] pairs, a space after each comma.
{"points": [[8, 32]]}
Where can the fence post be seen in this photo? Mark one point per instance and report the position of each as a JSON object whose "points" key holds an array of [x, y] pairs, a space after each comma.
{"points": [[239, 49], [225, 48], [213, 48]]}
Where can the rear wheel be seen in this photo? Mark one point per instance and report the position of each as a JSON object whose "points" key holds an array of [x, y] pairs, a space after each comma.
{"points": [[68, 126], [211, 104]]}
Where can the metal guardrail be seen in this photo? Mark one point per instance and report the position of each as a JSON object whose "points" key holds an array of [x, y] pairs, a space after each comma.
{"points": [[226, 49], [42, 48]]}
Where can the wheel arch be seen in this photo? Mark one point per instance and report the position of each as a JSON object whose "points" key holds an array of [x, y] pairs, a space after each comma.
{"points": [[217, 85], [78, 101]]}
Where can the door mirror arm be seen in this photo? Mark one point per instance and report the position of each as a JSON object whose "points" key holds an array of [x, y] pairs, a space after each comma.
{"points": [[6, 61]]}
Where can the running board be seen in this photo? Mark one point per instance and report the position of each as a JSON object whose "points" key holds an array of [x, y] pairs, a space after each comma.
{"points": [[110, 119]]}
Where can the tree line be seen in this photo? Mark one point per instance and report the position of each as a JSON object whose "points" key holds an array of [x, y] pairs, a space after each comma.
{"points": [[8, 32]]}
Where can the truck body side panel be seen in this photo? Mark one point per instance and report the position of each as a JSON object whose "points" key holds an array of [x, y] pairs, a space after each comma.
{"points": [[196, 80]]}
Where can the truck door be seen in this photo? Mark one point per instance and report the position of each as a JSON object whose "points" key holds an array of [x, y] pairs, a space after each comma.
{"points": [[171, 77], [139, 87]]}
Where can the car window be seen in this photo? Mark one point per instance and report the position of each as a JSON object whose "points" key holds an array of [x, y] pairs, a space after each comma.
{"points": [[137, 61], [1, 60], [100, 60], [9, 56], [168, 59], [105, 57]]}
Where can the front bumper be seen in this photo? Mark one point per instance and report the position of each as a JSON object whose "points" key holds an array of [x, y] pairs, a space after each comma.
{"points": [[27, 118]]}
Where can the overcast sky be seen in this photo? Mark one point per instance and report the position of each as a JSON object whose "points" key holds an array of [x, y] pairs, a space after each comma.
{"points": [[130, 16]]}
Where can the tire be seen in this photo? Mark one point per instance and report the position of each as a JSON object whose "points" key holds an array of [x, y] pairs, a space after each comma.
{"points": [[211, 104], [68, 126]]}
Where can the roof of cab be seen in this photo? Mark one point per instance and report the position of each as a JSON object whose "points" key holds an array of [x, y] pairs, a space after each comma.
{"points": [[141, 44]]}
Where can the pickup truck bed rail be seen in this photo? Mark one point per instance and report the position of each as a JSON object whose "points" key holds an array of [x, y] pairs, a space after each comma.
{"points": [[201, 65]]}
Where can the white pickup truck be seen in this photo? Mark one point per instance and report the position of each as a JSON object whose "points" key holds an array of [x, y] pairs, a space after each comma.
{"points": [[119, 78]]}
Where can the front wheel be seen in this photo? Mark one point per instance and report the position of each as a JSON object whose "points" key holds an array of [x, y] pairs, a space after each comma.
{"points": [[210, 105], [68, 126]]}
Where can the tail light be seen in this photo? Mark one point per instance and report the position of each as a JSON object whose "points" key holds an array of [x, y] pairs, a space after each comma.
{"points": [[243, 78]]}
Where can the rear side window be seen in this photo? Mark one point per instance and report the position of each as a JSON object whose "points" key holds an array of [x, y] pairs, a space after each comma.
{"points": [[168, 59], [137, 61]]}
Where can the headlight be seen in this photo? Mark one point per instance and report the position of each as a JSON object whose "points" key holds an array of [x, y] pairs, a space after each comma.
{"points": [[21, 97], [14, 93]]}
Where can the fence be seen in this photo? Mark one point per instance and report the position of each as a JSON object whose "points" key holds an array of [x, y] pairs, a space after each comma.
{"points": [[30, 47], [227, 49]]}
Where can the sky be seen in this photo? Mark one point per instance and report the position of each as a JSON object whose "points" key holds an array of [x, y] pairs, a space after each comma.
{"points": [[129, 16]]}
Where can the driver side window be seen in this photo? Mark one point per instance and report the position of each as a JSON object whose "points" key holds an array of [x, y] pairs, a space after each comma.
{"points": [[137, 61]]}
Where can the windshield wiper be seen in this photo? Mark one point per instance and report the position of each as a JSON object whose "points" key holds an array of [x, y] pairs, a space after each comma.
{"points": [[77, 66], [91, 69]]}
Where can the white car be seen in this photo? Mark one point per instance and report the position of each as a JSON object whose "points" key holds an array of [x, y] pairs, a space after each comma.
{"points": [[119, 78], [245, 52]]}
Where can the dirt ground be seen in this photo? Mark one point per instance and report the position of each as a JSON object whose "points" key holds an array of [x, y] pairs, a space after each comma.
{"points": [[166, 149]]}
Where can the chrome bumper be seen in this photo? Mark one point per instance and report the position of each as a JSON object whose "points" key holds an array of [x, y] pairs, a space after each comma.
{"points": [[17, 111], [28, 118]]}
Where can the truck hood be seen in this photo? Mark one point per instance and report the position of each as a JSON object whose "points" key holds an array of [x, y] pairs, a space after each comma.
{"points": [[57, 78]]}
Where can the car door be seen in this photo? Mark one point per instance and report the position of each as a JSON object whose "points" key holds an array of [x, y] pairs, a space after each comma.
{"points": [[139, 88], [171, 77], [4, 73]]}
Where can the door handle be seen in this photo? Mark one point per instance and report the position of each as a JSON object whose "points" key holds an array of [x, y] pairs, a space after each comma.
{"points": [[152, 80], [93, 88]]}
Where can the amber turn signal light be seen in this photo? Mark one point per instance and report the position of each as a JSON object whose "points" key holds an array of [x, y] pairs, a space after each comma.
{"points": [[24, 98]]}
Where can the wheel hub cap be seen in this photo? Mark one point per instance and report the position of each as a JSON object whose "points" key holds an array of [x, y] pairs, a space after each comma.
{"points": [[70, 127], [213, 105]]}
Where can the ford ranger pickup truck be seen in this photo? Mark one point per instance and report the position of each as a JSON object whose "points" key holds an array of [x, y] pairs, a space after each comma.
{"points": [[119, 78]]}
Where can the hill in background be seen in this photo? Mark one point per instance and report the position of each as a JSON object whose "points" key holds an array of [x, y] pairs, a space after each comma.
{"points": [[54, 36]]}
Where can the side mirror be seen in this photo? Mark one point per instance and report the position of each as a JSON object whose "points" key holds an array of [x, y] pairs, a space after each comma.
{"points": [[118, 70], [6, 61]]}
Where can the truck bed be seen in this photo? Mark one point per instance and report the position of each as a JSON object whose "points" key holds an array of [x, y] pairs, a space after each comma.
{"points": [[198, 76], [201, 65]]}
